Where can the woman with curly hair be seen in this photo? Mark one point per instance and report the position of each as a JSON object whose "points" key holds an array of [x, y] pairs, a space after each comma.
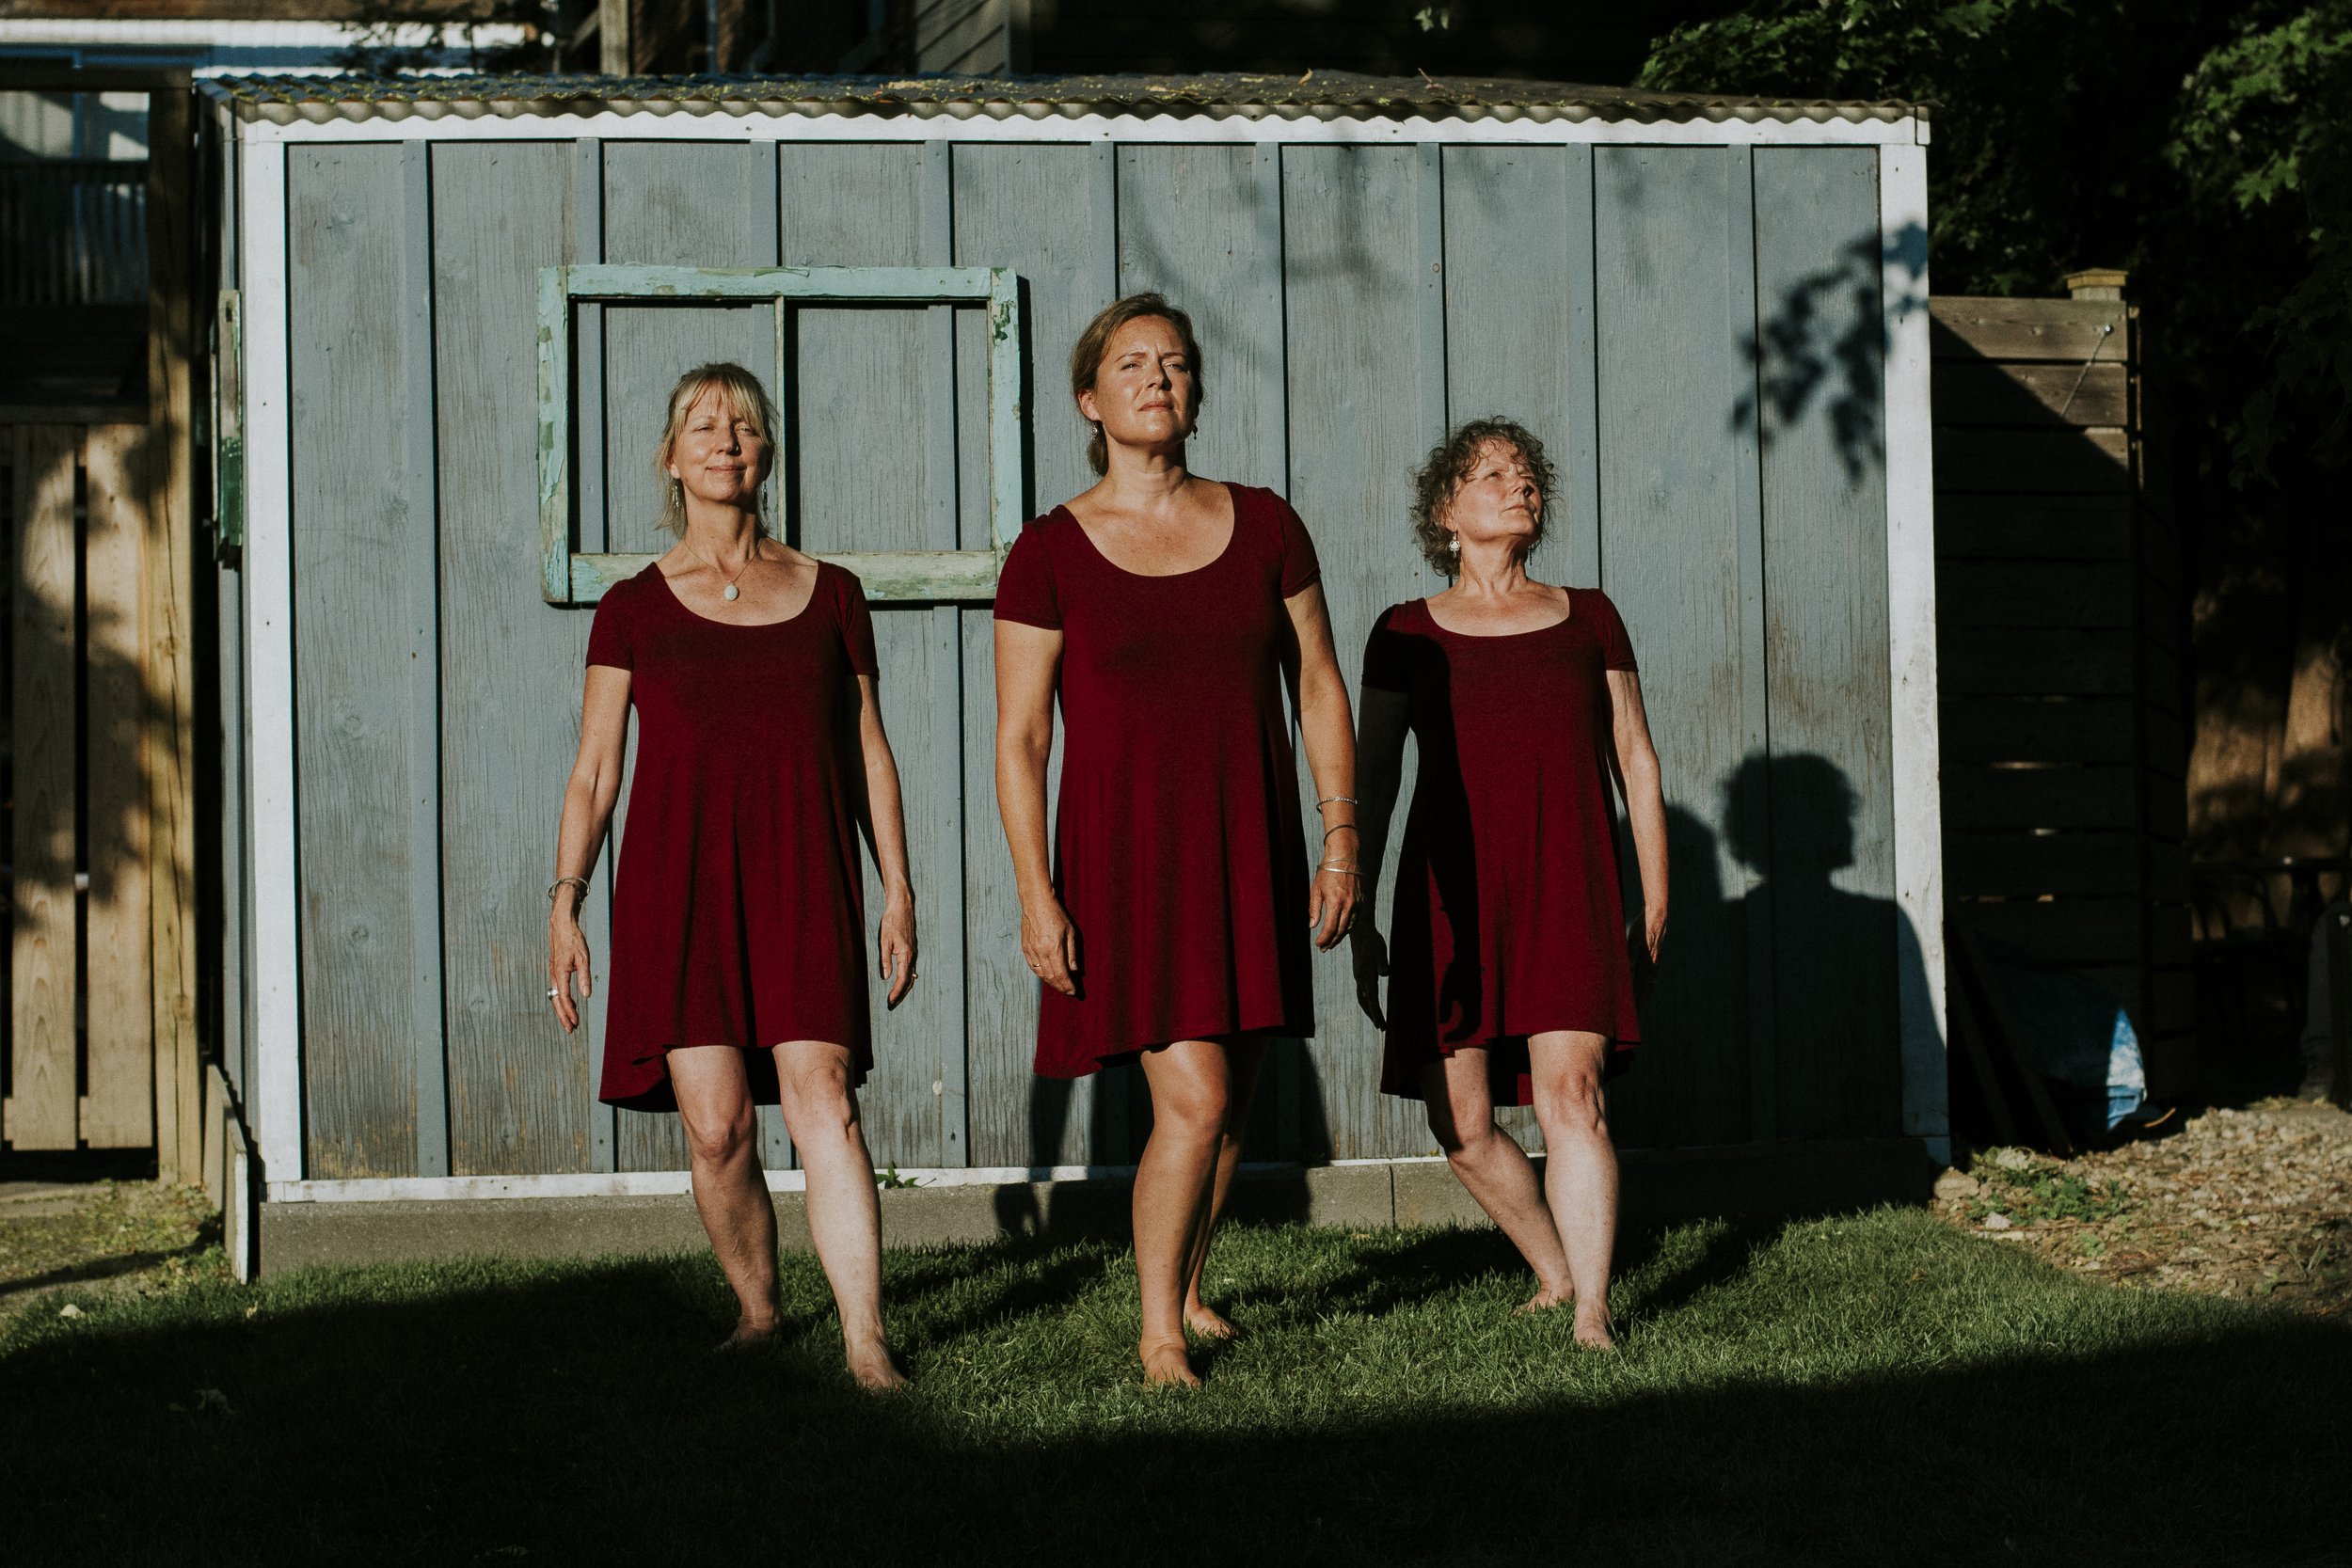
{"points": [[1511, 982]]}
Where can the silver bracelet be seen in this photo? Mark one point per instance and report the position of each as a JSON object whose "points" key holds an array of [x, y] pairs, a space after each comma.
{"points": [[1343, 799], [1339, 828], [1343, 870], [580, 883]]}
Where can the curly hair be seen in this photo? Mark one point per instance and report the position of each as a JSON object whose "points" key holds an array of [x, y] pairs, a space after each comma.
{"points": [[1086, 358], [1449, 464]]}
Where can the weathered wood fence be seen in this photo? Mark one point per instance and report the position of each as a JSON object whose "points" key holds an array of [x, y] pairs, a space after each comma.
{"points": [[100, 877], [2062, 618]]}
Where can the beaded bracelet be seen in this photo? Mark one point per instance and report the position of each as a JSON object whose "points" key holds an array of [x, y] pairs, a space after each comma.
{"points": [[580, 883]]}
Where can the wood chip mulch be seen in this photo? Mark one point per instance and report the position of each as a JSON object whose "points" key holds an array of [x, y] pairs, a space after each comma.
{"points": [[2254, 1204]]}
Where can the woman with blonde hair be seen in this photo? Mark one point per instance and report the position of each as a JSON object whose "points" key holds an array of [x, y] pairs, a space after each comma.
{"points": [[739, 951], [1511, 982], [1163, 612]]}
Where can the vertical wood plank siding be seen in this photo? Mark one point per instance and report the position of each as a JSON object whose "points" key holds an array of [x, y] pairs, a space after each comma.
{"points": [[1692, 330], [1669, 376], [1036, 209], [519, 1089], [863, 417], [1839, 1055], [676, 203], [120, 1069], [43, 955], [1353, 263], [354, 513], [1517, 289]]}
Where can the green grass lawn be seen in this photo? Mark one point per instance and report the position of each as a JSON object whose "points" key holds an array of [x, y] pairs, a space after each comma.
{"points": [[1878, 1390]]}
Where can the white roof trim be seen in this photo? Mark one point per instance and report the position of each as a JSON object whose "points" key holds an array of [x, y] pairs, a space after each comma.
{"points": [[717, 126]]}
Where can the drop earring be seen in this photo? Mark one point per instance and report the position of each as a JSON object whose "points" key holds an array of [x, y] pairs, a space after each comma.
{"points": [[1453, 543]]}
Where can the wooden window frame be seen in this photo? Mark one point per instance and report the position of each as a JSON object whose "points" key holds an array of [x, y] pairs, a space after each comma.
{"points": [[571, 576]]}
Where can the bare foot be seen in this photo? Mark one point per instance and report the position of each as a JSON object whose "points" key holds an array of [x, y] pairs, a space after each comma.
{"points": [[748, 1334], [1594, 1330], [1209, 1323], [875, 1369], [1545, 1299], [1167, 1366]]}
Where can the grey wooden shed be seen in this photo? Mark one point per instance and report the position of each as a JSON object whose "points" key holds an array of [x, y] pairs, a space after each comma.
{"points": [[1713, 309]]}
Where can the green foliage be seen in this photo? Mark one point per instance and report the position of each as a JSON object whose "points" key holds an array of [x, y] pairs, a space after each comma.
{"points": [[2201, 144], [2026, 1189]]}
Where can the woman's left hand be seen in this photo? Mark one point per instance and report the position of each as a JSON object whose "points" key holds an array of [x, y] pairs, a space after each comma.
{"points": [[1331, 905], [898, 948]]}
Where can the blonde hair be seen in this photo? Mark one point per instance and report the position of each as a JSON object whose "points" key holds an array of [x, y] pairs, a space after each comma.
{"points": [[1086, 358], [744, 397]]}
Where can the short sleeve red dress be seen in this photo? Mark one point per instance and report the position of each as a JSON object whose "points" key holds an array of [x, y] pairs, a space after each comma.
{"points": [[1507, 920], [1178, 849], [738, 909]]}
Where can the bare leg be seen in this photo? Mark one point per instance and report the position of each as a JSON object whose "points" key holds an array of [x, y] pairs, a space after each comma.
{"points": [[714, 1102], [844, 1213], [1175, 1184], [1492, 1166], [1244, 1056], [1581, 1174]]}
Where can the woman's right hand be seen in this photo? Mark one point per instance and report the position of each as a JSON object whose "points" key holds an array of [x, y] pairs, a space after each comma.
{"points": [[567, 957], [1372, 965], [1050, 943]]}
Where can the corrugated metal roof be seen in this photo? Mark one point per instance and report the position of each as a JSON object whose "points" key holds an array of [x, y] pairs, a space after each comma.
{"points": [[1317, 95]]}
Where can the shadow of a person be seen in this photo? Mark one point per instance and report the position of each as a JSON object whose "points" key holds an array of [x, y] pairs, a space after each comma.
{"points": [[1835, 1040], [1689, 1084]]}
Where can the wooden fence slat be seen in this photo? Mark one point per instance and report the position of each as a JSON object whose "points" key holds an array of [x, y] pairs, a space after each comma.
{"points": [[2007, 728], [172, 634], [1989, 392], [2069, 461], [42, 959], [120, 1075], [2062, 329], [2007, 661], [2034, 593], [2065, 930], [2018, 864], [2001, 798], [2079, 528]]}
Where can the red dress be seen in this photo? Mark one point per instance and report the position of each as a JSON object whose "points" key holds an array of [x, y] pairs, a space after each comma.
{"points": [[1177, 847], [1507, 920], [738, 910]]}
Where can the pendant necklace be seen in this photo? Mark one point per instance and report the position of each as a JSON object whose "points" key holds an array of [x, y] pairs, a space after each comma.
{"points": [[730, 593]]}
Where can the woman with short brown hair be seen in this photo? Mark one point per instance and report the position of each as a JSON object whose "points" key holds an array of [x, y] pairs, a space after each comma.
{"points": [[739, 948], [1163, 612], [1509, 981]]}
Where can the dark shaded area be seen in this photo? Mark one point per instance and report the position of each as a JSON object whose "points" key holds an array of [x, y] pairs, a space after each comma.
{"points": [[547, 1420], [1527, 40]]}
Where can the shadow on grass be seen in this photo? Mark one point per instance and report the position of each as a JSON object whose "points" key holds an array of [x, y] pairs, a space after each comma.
{"points": [[571, 1413]]}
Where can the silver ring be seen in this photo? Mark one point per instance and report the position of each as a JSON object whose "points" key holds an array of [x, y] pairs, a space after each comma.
{"points": [[551, 993]]}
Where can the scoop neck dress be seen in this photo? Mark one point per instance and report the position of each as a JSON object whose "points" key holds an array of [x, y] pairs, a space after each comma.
{"points": [[1507, 920], [738, 904], [1178, 851]]}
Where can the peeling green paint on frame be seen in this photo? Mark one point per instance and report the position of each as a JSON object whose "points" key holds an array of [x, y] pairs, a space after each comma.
{"points": [[902, 575]]}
